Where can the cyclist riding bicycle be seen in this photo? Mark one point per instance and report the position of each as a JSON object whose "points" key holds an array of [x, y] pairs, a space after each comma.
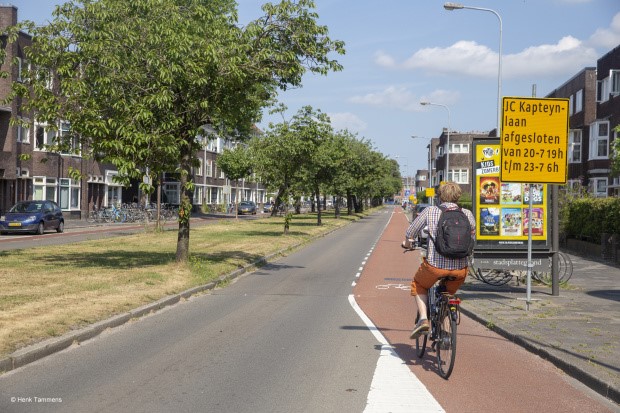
{"points": [[435, 266]]}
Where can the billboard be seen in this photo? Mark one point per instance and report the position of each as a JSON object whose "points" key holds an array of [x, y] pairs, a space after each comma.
{"points": [[502, 208]]}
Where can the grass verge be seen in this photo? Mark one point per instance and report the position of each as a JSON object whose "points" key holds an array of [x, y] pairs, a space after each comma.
{"points": [[48, 291]]}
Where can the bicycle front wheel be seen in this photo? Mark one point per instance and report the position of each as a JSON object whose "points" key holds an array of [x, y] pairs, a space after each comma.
{"points": [[420, 342], [446, 343]]}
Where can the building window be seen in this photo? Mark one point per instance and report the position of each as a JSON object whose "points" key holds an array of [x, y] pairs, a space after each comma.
{"points": [[70, 144], [172, 190], [602, 90], [23, 132], [574, 146], [459, 148], [44, 137], [599, 140], [209, 168], [598, 187], [69, 194], [44, 188], [199, 191], [579, 101], [198, 169], [571, 103], [460, 176], [614, 76]]}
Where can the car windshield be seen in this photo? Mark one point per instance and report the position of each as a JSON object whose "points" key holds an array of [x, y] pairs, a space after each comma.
{"points": [[27, 207]]}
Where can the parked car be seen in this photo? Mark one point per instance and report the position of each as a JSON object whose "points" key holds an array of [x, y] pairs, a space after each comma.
{"points": [[246, 207], [268, 207], [34, 217]]}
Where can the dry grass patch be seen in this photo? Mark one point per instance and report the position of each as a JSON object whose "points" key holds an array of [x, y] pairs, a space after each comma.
{"points": [[47, 291]]}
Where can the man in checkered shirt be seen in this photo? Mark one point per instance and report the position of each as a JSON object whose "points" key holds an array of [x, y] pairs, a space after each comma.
{"points": [[435, 266]]}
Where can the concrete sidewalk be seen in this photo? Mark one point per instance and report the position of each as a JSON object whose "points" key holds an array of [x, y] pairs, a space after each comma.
{"points": [[578, 331]]}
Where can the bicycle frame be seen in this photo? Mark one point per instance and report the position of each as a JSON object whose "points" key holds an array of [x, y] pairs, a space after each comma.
{"points": [[443, 315]]}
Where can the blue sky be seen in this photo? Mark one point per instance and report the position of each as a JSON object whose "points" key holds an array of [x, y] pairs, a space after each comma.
{"points": [[400, 52]]}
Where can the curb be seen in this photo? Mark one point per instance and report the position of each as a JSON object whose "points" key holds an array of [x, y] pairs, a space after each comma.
{"points": [[601, 387], [53, 345]]}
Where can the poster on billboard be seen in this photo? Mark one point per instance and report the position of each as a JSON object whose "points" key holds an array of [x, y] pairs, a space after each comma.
{"points": [[502, 208]]}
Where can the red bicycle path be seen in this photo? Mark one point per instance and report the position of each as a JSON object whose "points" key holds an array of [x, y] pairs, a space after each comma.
{"points": [[491, 374]]}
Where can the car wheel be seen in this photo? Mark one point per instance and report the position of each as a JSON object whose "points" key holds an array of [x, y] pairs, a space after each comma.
{"points": [[40, 229], [61, 227]]}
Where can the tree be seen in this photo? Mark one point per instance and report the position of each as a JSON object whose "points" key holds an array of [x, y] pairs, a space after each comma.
{"points": [[137, 80], [236, 164]]}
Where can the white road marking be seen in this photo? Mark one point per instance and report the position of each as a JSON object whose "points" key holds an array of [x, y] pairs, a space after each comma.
{"points": [[394, 387]]}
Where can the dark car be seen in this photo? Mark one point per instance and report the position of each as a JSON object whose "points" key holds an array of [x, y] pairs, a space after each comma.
{"points": [[268, 207], [34, 217], [246, 207]]}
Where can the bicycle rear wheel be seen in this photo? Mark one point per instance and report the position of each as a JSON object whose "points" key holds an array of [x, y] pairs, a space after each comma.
{"points": [[495, 277], [446, 343]]}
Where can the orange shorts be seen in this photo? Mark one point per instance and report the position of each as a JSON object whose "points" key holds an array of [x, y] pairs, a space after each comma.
{"points": [[427, 275]]}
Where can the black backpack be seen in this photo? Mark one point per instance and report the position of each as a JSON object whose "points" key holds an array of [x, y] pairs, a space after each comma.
{"points": [[453, 238]]}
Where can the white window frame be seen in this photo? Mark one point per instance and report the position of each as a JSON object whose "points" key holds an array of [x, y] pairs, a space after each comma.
{"points": [[602, 90], [575, 140], [571, 103], [209, 170], [614, 82], [579, 101], [70, 194], [23, 133], [598, 140], [198, 169], [44, 188], [75, 147], [459, 148], [598, 187], [49, 136], [460, 176]]}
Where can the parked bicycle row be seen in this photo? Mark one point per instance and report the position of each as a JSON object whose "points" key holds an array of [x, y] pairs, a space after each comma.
{"points": [[501, 277], [132, 213]]}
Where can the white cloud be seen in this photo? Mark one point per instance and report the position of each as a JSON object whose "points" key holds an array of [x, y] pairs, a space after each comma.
{"points": [[568, 56], [385, 60], [464, 57], [347, 120], [399, 97], [470, 58], [607, 38], [392, 97]]}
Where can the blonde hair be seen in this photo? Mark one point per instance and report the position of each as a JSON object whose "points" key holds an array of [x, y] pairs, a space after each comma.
{"points": [[450, 192]]}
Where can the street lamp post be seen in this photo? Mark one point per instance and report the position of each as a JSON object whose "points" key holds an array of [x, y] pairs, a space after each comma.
{"points": [[458, 6], [448, 136]]}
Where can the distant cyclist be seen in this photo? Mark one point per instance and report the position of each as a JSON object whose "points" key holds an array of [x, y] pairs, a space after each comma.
{"points": [[434, 266]]}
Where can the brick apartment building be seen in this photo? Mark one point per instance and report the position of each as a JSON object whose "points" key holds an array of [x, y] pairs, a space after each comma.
{"points": [[594, 113]]}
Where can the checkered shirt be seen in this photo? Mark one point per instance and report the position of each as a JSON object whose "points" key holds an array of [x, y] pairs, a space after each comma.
{"points": [[430, 216]]}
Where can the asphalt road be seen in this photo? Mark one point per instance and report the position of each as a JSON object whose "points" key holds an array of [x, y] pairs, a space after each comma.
{"points": [[282, 339]]}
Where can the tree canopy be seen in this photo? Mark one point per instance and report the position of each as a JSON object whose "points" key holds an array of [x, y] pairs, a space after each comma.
{"points": [[137, 80]]}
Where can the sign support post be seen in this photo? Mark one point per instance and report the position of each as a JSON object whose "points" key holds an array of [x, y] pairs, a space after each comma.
{"points": [[534, 148]]}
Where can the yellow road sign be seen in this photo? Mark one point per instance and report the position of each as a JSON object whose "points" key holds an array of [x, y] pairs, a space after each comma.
{"points": [[430, 192], [534, 140]]}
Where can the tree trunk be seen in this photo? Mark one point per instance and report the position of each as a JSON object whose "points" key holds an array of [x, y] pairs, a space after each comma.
{"points": [[337, 206], [349, 203], [318, 215], [185, 211]]}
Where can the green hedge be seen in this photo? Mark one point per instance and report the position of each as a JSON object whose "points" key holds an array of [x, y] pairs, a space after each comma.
{"points": [[590, 217]]}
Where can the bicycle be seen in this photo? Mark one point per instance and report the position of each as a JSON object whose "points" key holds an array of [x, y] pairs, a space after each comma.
{"points": [[444, 315]]}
